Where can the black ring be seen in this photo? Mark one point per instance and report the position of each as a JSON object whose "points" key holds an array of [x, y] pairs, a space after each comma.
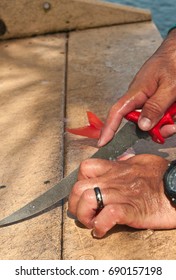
{"points": [[99, 198]]}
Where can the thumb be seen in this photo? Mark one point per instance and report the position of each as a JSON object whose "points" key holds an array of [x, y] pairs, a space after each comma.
{"points": [[154, 108]]}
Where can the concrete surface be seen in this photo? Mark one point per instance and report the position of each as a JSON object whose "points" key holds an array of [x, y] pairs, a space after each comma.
{"points": [[26, 18]]}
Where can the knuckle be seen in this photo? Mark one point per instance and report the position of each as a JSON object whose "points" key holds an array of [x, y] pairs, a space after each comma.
{"points": [[77, 189], [85, 168], [83, 165], [116, 216], [152, 108], [88, 196], [112, 211]]}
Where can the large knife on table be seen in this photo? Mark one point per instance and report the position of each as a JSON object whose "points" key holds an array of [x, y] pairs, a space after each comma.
{"points": [[128, 136]]}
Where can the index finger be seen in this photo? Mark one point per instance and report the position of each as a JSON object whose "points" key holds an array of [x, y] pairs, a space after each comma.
{"points": [[129, 102]]}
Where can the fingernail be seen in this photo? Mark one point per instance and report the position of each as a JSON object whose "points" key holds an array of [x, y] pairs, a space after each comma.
{"points": [[94, 234], [125, 156], [129, 152], [145, 123]]}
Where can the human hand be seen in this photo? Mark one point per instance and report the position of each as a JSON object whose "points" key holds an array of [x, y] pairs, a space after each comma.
{"points": [[132, 191], [153, 90]]}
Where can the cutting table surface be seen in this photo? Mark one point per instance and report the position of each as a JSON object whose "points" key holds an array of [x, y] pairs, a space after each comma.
{"points": [[48, 83]]}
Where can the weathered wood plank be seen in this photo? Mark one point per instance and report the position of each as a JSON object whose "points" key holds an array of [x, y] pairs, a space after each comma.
{"points": [[26, 18], [101, 64], [31, 151]]}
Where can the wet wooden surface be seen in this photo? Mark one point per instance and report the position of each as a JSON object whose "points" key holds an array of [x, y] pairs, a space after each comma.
{"points": [[37, 102]]}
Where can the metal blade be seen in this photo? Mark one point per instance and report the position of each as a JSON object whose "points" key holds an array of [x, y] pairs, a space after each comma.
{"points": [[124, 139]]}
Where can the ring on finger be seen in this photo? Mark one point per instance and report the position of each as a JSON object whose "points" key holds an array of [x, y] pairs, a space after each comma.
{"points": [[99, 198]]}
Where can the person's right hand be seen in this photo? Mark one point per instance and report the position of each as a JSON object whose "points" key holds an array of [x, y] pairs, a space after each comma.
{"points": [[153, 90]]}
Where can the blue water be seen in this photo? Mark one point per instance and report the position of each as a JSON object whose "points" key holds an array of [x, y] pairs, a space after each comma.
{"points": [[163, 11]]}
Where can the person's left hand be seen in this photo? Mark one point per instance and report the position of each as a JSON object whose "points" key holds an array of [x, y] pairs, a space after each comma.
{"points": [[132, 191]]}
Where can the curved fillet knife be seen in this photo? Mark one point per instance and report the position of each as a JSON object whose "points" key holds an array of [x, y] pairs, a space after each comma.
{"points": [[127, 137]]}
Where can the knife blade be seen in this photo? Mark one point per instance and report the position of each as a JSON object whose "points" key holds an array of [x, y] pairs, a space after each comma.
{"points": [[125, 138], [128, 137]]}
